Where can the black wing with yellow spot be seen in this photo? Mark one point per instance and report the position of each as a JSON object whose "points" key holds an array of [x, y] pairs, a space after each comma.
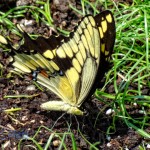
{"points": [[73, 64]]}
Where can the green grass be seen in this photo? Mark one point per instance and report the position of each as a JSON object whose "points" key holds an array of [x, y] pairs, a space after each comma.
{"points": [[131, 61], [58, 136], [130, 73]]}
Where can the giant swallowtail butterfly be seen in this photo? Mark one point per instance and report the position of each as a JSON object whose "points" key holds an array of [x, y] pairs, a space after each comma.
{"points": [[73, 64]]}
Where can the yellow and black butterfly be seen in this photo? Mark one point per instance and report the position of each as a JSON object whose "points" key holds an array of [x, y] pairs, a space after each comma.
{"points": [[69, 66]]}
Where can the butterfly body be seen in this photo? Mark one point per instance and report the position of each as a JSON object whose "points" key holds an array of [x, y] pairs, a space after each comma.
{"points": [[73, 64]]}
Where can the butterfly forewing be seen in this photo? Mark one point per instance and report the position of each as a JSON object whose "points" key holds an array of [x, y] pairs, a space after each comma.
{"points": [[77, 64]]}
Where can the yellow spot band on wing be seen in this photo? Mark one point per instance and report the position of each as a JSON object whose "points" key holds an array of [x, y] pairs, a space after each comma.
{"points": [[102, 48], [76, 37], [109, 18], [73, 45], [84, 41], [79, 57], [48, 54], [92, 21], [106, 53], [83, 53], [67, 50], [60, 52], [104, 25], [101, 32], [54, 65], [76, 65]]}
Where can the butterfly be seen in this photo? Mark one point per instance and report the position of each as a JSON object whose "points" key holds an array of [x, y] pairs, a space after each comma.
{"points": [[69, 66]]}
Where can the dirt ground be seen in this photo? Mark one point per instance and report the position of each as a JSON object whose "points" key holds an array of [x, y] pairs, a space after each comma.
{"points": [[30, 117]]}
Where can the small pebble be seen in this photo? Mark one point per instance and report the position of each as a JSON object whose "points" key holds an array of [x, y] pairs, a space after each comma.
{"points": [[24, 118], [28, 22], [148, 146], [56, 143], [109, 111], [109, 145], [30, 88], [141, 112]]}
